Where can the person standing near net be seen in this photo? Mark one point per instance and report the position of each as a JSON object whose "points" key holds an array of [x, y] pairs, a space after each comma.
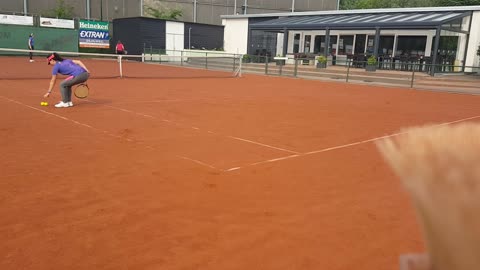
{"points": [[77, 73], [120, 49], [31, 43]]}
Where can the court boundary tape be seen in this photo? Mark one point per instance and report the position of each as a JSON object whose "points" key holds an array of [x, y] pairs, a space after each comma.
{"points": [[328, 149]]}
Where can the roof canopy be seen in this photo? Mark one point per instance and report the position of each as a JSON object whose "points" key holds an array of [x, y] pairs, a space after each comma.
{"points": [[393, 20]]}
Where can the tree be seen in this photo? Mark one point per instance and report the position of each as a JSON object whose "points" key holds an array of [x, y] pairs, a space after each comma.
{"points": [[164, 13], [457, 2], [61, 11], [478, 51]]}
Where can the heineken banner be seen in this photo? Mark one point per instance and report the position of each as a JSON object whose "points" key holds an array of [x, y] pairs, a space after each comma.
{"points": [[93, 34]]}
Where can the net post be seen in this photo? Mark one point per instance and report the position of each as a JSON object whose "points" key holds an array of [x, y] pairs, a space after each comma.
{"points": [[266, 65], [413, 76], [120, 65], [240, 66], [295, 71], [206, 60], [234, 63]]}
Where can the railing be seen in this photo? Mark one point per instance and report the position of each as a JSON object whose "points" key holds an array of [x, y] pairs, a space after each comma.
{"points": [[449, 77]]}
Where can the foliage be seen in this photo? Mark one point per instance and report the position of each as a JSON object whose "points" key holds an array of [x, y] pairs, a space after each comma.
{"points": [[163, 13], [478, 51], [457, 2], [321, 59], [61, 11], [372, 60]]}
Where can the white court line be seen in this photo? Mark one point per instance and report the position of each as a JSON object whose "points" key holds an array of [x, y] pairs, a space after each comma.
{"points": [[196, 128], [200, 162], [264, 145], [67, 119], [345, 145], [102, 131]]}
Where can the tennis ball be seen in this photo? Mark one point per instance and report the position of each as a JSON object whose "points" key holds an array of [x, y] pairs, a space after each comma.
{"points": [[42, 103], [45, 103]]}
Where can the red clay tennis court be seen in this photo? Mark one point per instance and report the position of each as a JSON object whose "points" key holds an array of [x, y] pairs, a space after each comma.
{"points": [[195, 169]]}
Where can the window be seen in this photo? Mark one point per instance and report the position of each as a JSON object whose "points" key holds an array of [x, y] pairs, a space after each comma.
{"points": [[333, 45], [360, 44], [345, 45], [386, 45], [296, 43], [370, 44], [306, 46], [319, 45], [262, 43], [411, 45]]}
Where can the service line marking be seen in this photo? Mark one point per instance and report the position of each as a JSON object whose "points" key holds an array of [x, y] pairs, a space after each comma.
{"points": [[344, 145]]}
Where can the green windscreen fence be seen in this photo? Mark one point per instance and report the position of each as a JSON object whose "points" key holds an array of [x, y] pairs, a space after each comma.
{"points": [[48, 39]]}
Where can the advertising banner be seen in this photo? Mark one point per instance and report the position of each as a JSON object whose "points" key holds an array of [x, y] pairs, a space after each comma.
{"points": [[93, 34], [14, 19], [57, 23]]}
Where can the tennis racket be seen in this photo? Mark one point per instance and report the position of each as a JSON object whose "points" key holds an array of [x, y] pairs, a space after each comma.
{"points": [[81, 90]]}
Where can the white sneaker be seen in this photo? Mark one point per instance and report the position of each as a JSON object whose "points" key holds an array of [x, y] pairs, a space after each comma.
{"points": [[62, 104], [70, 104], [31, 60]]}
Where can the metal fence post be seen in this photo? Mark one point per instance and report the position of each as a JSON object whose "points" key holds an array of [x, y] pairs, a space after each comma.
{"points": [[413, 75], [348, 69], [234, 62], [295, 70], [181, 58], [266, 65], [206, 60]]}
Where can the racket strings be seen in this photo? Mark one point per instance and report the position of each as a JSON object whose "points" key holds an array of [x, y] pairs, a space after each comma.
{"points": [[81, 91]]}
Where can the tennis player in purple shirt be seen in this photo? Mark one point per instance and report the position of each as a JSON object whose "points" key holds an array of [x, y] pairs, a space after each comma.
{"points": [[77, 73]]}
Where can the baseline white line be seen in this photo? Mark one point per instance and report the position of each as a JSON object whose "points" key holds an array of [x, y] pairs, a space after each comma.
{"points": [[345, 145], [99, 130], [66, 119]]}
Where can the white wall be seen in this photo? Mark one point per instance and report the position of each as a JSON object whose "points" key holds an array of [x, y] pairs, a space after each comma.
{"points": [[235, 35], [174, 36], [473, 42]]}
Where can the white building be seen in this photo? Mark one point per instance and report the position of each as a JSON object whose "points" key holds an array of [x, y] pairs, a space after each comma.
{"points": [[389, 34]]}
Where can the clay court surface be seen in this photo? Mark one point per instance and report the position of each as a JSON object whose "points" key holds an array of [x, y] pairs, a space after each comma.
{"points": [[196, 170]]}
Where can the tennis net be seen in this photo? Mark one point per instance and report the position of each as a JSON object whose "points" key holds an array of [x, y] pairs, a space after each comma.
{"points": [[15, 64]]}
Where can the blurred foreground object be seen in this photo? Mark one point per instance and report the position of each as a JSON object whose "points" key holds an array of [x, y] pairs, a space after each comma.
{"points": [[440, 168]]}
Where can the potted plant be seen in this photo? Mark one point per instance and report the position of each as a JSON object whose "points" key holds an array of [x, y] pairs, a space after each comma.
{"points": [[371, 63], [321, 61], [246, 58]]}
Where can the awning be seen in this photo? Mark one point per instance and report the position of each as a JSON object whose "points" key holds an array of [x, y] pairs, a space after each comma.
{"points": [[400, 20]]}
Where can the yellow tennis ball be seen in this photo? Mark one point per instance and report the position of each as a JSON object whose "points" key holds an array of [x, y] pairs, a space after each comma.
{"points": [[46, 103], [42, 103]]}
